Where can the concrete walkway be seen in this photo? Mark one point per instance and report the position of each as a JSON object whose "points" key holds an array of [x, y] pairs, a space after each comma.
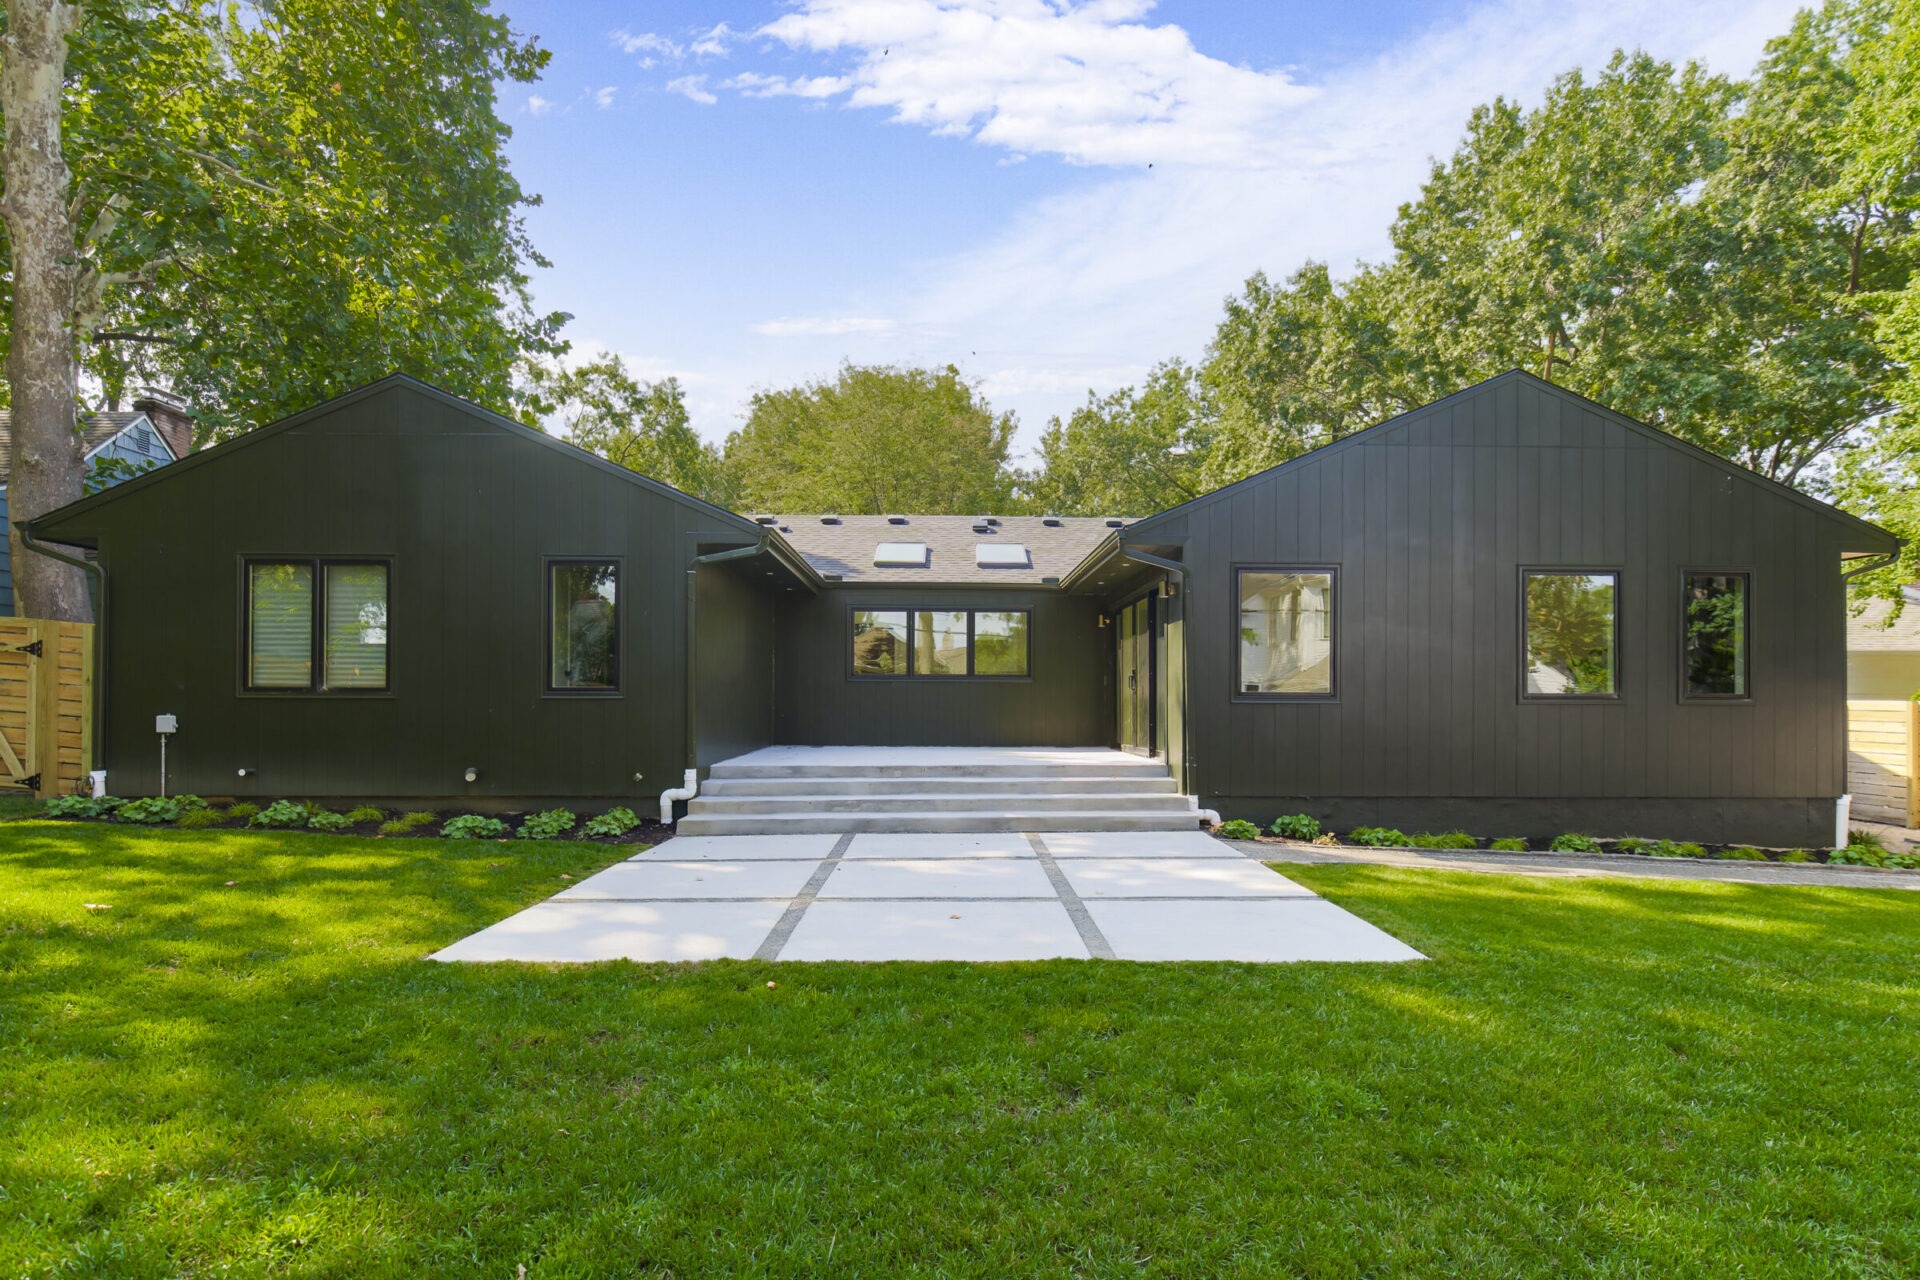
{"points": [[1621, 865], [974, 896]]}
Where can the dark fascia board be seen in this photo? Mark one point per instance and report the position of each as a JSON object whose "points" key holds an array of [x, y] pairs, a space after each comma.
{"points": [[1876, 541], [44, 526], [1112, 548]]}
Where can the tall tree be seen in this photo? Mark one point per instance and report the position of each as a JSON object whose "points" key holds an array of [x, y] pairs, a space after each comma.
{"points": [[268, 204], [639, 425], [876, 439], [1131, 452]]}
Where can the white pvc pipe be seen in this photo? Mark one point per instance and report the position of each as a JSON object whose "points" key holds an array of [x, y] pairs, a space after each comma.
{"points": [[1842, 816], [1209, 816], [686, 791]]}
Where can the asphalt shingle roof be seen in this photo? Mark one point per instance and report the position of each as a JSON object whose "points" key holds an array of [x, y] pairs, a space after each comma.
{"points": [[846, 548], [1868, 629], [99, 428]]}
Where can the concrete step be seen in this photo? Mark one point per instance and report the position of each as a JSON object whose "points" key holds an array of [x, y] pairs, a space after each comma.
{"points": [[1072, 800], [774, 824], [936, 786], [1109, 768]]}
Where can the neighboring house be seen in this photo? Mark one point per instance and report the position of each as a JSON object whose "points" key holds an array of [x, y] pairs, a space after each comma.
{"points": [[1883, 661], [152, 434], [1511, 612]]}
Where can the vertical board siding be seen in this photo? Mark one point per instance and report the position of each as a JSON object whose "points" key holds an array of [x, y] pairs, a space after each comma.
{"points": [[1429, 524]]}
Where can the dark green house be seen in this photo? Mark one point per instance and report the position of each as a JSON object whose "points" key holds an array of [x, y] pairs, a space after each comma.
{"points": [[1508, 611]]}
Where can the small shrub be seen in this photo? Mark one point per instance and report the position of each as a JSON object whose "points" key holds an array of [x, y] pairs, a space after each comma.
{"points": [[1574, 842], [282, 813], [365, 813], [1857, 855], [473, 826], [1509, 844], [1904, 861], [1376, 837], [1742, 853], [1443, 840], [1237, 829], [616, 821], [1295, 826], [151, 810], [245, 809], [1867, 838], [1796, 855], [81, 806], [194, 819], [550, 824], [327, 820]]}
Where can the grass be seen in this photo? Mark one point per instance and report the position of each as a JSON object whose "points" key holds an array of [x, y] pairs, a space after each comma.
{"points": [[1596, 1077]]}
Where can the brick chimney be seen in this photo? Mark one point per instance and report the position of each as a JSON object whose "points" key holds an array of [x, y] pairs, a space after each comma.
{"points": [[170, 421]]}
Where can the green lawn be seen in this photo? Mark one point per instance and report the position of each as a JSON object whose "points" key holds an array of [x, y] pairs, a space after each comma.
{"points": [[1613, 1078]]}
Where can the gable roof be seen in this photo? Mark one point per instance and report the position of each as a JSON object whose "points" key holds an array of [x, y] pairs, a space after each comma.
{"points": [[96, 433], [44, 525], [845, 548], [1870, 538]]}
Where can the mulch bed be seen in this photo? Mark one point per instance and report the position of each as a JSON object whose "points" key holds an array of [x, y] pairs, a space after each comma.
{"points": [[1711, 852], [649, 832]]}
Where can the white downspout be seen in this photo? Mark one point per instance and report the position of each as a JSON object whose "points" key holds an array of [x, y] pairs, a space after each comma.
{"points": [[1842, 818], [686, 791], [1209, 816]]}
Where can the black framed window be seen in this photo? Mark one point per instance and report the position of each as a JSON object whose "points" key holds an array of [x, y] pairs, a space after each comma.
{"points": [[940, 643], [583, 626], [317, 626], [1715, 611], [1286, 632], [1571, 621]]}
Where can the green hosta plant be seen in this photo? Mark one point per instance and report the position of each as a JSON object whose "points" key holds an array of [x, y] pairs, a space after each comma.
{"points": [[473, 826], [1509, 844], [1237, 829], [153, 810], [1574, 842], [1904, 861], [1295, 826], [549, 824], [81, 806], [282, 813], [327, 820], [1377, 837], [616, 821], [1858, 855]]}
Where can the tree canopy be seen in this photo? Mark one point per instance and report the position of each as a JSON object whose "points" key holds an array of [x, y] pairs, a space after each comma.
{"points": [[873, 440], [600, 406]]}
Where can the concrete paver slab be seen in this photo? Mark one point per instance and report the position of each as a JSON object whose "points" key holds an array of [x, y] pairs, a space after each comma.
{"points": [[986, 877], [1258, 930], [958, 844], [1137, 844], [950, 930], [667, 880], [582, 931], [738, 848], [1094, 878]]}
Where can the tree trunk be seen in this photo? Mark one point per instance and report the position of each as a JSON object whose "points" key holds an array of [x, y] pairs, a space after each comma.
{"points": [[48, 466]]}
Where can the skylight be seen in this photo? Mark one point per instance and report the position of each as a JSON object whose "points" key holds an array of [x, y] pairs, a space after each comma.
{"points": [[902, 555], [1001, 555]]}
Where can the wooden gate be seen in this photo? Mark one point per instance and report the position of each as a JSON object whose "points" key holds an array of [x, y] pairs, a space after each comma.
{"points": [[46, 706], [1883, 758]]}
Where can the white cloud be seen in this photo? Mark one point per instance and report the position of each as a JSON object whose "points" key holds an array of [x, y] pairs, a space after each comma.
{"points": [[694, 87], [603, 98], [755, 85], [1085, 81], [714, 42], [647, 43], [821, 326], [539, 106]]}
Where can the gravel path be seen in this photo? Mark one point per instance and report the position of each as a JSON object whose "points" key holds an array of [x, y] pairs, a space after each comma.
{"points": [[1625, 865]]}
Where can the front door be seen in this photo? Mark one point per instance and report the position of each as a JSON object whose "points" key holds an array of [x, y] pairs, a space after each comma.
{"points": [[1133, 641]]}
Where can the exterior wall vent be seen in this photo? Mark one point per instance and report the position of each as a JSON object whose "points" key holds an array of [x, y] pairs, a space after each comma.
{"points": [[1001, 555], [901, 555]]}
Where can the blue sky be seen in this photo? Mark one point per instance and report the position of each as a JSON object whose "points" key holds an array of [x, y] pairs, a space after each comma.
{"points": [[1051, 195]]}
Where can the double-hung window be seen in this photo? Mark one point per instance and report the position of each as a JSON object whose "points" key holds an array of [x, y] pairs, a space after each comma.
{"points": [[316, 626], [940, 642]]}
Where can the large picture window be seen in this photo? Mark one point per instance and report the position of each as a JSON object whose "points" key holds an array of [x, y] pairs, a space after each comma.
{"points": [[952, 643], [316, 626], [1715, 607], [583, 626], [1286, 633], [1572, 633]]}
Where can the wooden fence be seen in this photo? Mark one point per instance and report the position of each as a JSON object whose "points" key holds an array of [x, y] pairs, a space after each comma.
{"points": [[1883, 760], [46, 706]]}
